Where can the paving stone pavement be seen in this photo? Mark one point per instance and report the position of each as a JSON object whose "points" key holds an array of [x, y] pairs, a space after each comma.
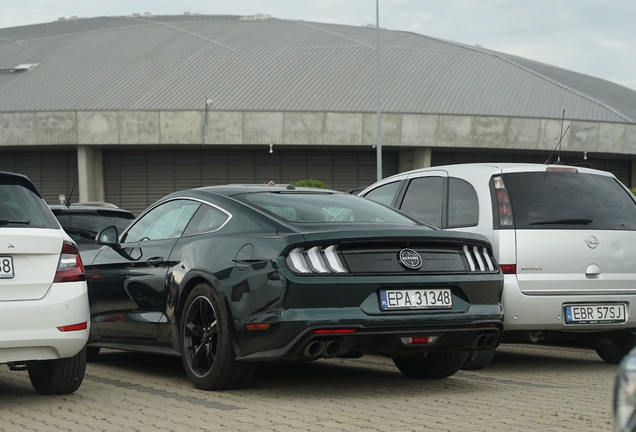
{"points": [[526, 388]]}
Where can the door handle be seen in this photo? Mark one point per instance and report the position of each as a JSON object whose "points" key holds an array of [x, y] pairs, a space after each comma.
{"points": [[155, 261]]}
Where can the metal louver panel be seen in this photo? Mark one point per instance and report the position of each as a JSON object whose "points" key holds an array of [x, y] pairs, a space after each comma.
{"points": [[134, 179], [52, 172]]}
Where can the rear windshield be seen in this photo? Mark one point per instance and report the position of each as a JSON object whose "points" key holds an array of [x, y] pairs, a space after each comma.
{"points": [[561, 200], [19, 207], [322, 207], [88, 224]]}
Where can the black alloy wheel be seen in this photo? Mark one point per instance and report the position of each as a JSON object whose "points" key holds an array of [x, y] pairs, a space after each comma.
{"points": [[207, 350]]}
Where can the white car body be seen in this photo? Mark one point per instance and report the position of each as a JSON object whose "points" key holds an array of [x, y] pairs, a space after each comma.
{"points": [[546, 267], [44, 310]]}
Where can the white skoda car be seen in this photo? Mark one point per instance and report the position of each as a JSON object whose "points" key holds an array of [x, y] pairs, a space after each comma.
{"points": [[564, 237], [44, 312]]}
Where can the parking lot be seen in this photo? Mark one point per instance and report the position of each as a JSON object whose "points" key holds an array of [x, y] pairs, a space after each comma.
{"points": [[526, 388]]}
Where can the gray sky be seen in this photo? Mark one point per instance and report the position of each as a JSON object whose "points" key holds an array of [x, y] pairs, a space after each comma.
{"points": [[594, 37]]}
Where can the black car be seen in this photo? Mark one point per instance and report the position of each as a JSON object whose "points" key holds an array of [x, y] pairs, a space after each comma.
{"points": [[82, 221], [230, 276]]}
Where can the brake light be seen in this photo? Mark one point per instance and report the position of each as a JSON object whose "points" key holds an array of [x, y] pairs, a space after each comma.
{"points": [[508, 268], [562, 169], [74, 327], [503, 203], [317, 259], [70, 267]]}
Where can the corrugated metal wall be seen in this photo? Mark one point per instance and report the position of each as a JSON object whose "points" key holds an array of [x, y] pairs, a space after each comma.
{"points": [[621, 168], [134, 179], [53, 172]]}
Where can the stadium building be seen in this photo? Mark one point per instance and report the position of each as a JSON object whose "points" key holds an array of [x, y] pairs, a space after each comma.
{"points": [[134, 107]]}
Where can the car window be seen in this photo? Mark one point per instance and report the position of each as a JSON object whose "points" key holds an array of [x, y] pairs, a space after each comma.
{"points": [[424, 200], [92, 221], [568, 200], [322, 207], [463, 206], [384, 194], [21, 208], [206, 219], [165, 221]]}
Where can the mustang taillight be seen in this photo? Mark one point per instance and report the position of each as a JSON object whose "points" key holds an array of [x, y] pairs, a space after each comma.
{"points": [[478, 258], [503, 203], [315, 260], [70, 267]]}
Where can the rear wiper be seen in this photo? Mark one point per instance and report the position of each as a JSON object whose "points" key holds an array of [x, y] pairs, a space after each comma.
{"points": [[564, 222], [9, 221], [82, 232]]}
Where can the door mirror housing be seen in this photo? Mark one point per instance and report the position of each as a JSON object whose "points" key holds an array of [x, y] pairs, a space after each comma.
{"points": [[108, 236]]}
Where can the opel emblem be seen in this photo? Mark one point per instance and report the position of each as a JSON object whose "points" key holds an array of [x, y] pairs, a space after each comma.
{"points": [[592, 242], [410, 259]]}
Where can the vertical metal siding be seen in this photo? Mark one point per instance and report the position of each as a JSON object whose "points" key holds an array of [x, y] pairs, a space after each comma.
{"points": [[53, 172], [134, 179]]}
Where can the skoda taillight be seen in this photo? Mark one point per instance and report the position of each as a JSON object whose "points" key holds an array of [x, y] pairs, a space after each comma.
{"points": [[70, 267]]}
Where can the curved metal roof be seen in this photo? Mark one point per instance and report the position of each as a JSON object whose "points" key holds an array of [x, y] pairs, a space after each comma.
{"points": [[268, 64]]}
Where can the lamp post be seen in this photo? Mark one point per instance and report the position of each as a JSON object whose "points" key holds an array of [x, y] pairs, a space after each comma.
{"points": [[377, 83]]}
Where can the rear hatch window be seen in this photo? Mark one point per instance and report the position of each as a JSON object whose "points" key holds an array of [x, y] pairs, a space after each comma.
{"points": [[20, 207], [569, 200]]}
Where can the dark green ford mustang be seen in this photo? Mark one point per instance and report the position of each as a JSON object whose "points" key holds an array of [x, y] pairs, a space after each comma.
{"points": [[230, 276]]}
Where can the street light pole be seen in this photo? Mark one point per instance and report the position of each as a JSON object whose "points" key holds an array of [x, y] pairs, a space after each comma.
{"points": [[377, 82]]}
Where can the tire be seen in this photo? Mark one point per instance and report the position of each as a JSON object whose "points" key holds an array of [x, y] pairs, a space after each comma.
{"points": [[430, 366], [207, 349], [59, 376], [479, 359], [620, 346], [92, 353]]}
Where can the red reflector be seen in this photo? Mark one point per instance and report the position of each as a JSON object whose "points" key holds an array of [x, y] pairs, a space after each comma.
{"points": [[257, 326], [420, 340], [483, 325], [508, 268], [74, 327], [332, 331]]}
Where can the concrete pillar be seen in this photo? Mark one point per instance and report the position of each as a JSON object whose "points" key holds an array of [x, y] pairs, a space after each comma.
{"points": [[90, 173], [422, 157]]}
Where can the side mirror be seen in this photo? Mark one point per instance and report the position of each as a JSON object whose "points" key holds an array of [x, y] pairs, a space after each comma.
{"points": [[108, 236]]}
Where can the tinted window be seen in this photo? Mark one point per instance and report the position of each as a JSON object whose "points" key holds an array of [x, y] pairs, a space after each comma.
{"points": [[423, 199], [463, 206], [322, 207], [557, 200], [92, 221], [165, 221], [19, 207], [384, 194], [206, 219]]}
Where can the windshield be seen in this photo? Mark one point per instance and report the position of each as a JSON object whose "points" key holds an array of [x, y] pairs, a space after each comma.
{"points": [[554, 200], [19, 207], [322, 207]]}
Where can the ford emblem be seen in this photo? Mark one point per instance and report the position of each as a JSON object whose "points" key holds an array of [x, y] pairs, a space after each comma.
{"points": [[410, 259]]}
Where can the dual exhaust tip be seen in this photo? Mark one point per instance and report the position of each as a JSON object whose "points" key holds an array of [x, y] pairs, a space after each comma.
{"points": [[320, 348], [483, 341]]}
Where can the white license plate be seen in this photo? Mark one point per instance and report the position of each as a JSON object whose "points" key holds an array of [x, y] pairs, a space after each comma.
{"points": [[595, 314], [6, 267], [415, 299]]}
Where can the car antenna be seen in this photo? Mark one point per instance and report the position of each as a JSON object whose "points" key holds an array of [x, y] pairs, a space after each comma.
{"points": [[67, 204], [558, 161]]}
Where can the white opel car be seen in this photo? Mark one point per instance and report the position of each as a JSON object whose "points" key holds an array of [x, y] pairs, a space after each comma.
{"points": [[44, 312], [564, 237]]}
